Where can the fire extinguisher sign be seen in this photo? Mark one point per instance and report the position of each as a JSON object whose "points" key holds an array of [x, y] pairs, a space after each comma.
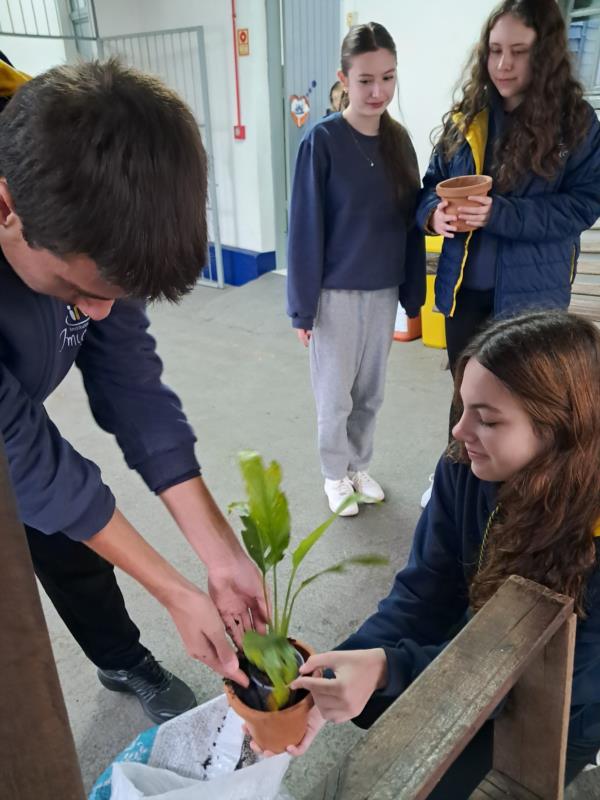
{"points": [[243, 42]]}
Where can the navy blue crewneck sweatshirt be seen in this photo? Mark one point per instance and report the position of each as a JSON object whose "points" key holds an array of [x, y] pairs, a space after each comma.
{"points": [[346, 227]]}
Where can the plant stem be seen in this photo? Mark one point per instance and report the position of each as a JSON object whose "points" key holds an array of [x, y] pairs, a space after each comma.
{"points": [[266, 597], [294, 596], [275, 609], [285, 618]]}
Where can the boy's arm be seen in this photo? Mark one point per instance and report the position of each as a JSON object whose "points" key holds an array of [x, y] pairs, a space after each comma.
{"points": [[122, 376], [56, 488], [234, 583], [192, 611]]}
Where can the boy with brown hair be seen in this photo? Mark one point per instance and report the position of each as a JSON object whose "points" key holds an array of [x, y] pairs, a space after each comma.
{"points": [[102, 208]]}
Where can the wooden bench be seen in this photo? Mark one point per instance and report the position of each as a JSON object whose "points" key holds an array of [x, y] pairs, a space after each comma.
{"points": [[37, 753], [521, 642], [585, 297]]}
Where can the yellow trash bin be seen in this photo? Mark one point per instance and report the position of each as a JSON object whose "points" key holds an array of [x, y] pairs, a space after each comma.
{"points": [[432, 322]]}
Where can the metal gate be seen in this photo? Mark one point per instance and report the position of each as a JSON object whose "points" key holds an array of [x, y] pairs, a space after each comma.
{"points": [[178, 58], [303, 42], [311, 56]]}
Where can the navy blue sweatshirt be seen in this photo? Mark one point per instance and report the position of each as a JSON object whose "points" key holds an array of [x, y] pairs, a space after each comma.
{"points": [[346, 229], [429, 600], [57, 488]]}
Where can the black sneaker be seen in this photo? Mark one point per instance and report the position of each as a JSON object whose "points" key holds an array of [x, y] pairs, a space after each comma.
{"points": [[162, 695]]}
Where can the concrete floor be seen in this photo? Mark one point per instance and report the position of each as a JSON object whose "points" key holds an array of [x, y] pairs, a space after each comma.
{"points": [[243, 378]]}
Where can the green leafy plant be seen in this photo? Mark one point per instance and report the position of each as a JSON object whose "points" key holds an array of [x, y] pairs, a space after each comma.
{"points": [[266, 534]]}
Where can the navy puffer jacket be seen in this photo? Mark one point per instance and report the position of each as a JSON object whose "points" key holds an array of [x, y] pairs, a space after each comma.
{"points": [[538, 225]]}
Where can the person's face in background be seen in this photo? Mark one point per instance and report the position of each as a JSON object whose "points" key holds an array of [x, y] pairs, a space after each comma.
{"points": [[370, 82], [509, 61], [335, 96]]}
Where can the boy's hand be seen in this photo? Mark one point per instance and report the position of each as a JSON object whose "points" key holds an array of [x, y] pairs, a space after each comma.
{"points": [[358, 673], [201, 629], [237, 591]]}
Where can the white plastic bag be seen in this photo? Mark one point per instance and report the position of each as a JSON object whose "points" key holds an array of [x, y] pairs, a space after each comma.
{"points": [[200, 755], [261, 781]]}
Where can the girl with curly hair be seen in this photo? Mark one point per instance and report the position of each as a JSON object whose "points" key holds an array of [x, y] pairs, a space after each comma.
{"points": [[521, 119], [516, 493]]}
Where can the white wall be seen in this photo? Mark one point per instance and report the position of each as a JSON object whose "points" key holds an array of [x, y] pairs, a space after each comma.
{"points": [[434, 39], [242, 168], [33, 55]]}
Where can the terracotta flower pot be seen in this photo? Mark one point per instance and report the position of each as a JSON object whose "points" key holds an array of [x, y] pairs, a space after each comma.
{"points": [[456, 191], [275, 730]]}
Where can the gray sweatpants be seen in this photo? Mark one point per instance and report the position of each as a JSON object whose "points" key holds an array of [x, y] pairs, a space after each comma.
{"points": [[349, 348]]}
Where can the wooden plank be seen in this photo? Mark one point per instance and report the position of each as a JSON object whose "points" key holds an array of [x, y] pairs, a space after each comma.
{"points": [[431, 262], [37, 753], [588, 264], [585, 306], [500, 787], [540, 701], [586, 289], [411, 746], [590, 241]]}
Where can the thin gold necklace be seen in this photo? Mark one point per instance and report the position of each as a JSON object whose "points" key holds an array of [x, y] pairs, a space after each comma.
{"points": [[370, 161]]}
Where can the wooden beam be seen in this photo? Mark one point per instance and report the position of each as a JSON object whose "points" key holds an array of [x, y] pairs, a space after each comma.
{"points": [[530, 736], [411, 746], [37, 752]]}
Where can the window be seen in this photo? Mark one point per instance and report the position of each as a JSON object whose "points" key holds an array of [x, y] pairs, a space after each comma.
{"points": [[584, 43]]}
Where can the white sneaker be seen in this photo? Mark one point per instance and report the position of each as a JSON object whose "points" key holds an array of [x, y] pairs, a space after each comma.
{"points": [[367, 486], [427, 493], [337, 492]]}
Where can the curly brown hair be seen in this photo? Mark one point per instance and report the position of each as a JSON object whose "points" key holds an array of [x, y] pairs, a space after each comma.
{"points": [[553, 117], [547, 512]]}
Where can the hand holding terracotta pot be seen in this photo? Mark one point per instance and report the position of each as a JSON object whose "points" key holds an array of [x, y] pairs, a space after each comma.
{"points": [[274, 731], [466, 199]]}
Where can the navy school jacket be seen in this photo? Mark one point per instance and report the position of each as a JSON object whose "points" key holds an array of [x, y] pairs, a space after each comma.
{"points": [[538, 225], [58, 488], [429, 599]]}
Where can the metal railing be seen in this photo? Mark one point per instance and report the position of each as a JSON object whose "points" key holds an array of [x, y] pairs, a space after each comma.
{"points": [[178, 58]]}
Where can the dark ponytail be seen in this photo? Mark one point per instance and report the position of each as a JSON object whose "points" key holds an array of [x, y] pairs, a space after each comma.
{"points": [[396, 147]]}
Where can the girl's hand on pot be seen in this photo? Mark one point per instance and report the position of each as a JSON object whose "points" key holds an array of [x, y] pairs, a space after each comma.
{"points": [[358, 673], [478, 216], [304, 336], [314, 724], [442, 223]]}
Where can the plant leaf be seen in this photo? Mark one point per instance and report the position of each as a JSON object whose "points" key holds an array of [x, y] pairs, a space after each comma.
{"points": [[253, 543], [366, 560], [275, 656], [267, 505], [309, 541]]}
